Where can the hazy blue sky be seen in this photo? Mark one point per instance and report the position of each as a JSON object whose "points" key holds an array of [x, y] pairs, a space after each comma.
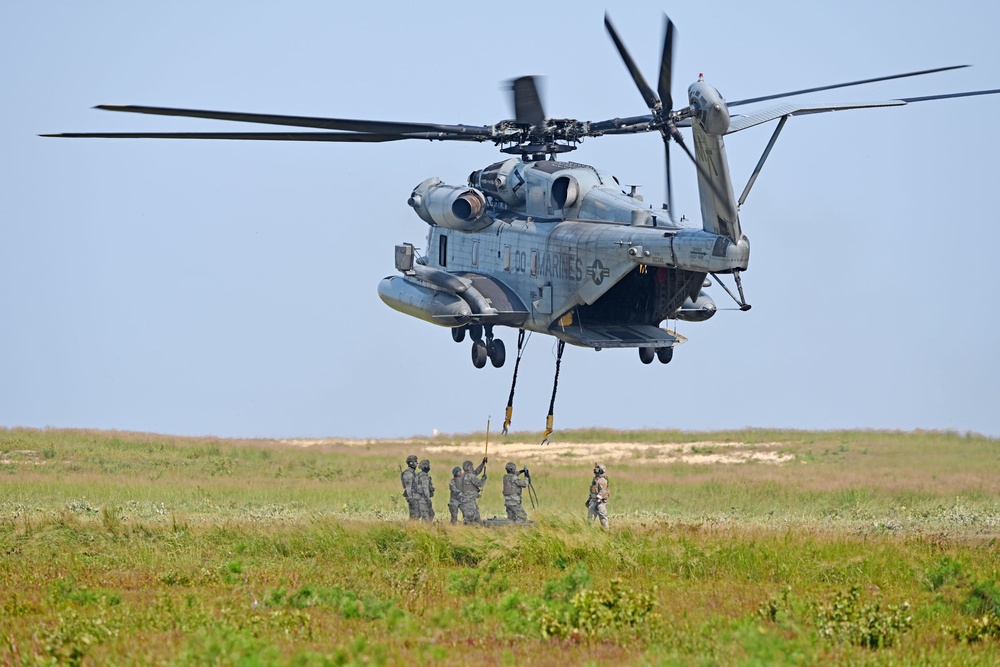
{"points": [[228, 288]]}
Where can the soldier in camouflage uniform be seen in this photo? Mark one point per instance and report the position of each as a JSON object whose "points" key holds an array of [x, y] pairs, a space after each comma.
{"points": [[423, 490], [455, 491], [472, 487], [512, 487], [597, 503], [406, 478]]}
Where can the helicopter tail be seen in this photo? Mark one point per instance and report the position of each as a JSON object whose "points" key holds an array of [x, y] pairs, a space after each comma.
{"points": [[719, 212]]}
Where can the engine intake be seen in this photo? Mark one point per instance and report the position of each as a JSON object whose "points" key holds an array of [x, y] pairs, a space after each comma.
{"points": [[502, 180]]}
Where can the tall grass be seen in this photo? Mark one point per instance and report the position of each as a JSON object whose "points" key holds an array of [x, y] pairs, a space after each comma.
{"points": [[867, 548]]}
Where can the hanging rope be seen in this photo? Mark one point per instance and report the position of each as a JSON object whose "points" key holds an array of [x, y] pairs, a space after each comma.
{"points": [[532, 496], [513, 383], [555, 385]]}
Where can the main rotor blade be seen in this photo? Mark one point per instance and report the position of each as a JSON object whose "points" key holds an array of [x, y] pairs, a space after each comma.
{"points": [[842, 85], [666, 64], [345, 124], [647, 93], [527, 103], [946, 96], [629, 125], [336, 137]]}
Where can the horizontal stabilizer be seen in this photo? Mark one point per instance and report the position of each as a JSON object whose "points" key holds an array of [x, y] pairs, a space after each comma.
{"points": [[743, 122]]}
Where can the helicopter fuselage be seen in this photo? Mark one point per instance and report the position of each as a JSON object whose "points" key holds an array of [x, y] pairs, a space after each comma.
{"points": [[556, 244]]}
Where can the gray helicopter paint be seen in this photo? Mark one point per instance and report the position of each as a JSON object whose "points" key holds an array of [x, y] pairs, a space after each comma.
{"points": [[542, 270], [426, 303], [711, 120], [614, 335]]}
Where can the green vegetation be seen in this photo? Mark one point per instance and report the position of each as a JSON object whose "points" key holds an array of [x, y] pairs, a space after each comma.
{"points": [[863, 548]]}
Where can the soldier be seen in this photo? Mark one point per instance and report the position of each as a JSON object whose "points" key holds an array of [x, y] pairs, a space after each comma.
{"points": [[406, 477], [455, 491], [423, 490], [472, 487], [597, 503], [512, 487]]}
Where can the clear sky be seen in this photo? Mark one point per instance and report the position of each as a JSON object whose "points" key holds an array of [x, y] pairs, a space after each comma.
{"points": [[229, 288]]}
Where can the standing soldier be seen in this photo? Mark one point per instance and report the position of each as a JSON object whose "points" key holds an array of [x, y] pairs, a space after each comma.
{"points": [[423, 490], [406, 477], [472, 487], [455, 491], [597, 504]]}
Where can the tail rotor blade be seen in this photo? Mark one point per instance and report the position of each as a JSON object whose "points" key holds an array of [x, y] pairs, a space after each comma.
{"points": [[647, 93], [667, 64], [670, 191]]}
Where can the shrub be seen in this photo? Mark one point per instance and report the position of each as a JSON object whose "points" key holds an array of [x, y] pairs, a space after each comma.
{"points": [[848, 621], [75, 635], [597, 612], [983, 627]]}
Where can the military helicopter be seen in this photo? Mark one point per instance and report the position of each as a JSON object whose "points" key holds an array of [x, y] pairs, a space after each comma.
{"points": [[540, 244]]}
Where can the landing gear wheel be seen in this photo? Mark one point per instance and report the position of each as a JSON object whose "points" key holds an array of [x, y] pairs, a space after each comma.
{"points": [[646, 355], [664, 354], [475, 331], [479, 353], [498, 353], [458, 334]]}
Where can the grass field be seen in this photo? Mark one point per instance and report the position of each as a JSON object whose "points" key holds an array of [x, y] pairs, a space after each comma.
{"points": [[726, 548]]}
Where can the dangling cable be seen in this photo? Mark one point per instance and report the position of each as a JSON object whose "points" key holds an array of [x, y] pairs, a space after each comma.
{"points": [[532, 496], [513, 383], [555, 385]]}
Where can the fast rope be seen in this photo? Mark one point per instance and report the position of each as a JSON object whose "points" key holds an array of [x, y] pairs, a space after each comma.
{"points": [[555, 385], [532, 496], [513, 383]]}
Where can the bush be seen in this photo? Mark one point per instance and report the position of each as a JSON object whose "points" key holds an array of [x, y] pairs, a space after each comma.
{"points": [[847, 621], [986, 626], [596, 612]]}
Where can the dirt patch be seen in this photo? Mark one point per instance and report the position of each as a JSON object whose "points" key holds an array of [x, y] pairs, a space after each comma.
{"points": [[704, 453], [699, 453], [21, 456], [346, 442]]}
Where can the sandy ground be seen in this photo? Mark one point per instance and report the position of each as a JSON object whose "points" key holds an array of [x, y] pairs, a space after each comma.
{"points": [[704, 453], [22, 456]]}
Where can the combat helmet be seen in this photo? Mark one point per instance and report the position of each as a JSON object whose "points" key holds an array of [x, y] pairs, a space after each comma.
{"points": [[599, 467], [510, 467], [411, 459], [455, 471], [425, 465]]}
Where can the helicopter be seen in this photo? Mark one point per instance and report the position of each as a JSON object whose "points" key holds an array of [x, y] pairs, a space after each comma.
{"points": [[540, 244]]}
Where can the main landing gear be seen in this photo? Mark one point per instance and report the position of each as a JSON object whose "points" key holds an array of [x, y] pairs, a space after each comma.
{"points": [[664, 354], [491, 348]]}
